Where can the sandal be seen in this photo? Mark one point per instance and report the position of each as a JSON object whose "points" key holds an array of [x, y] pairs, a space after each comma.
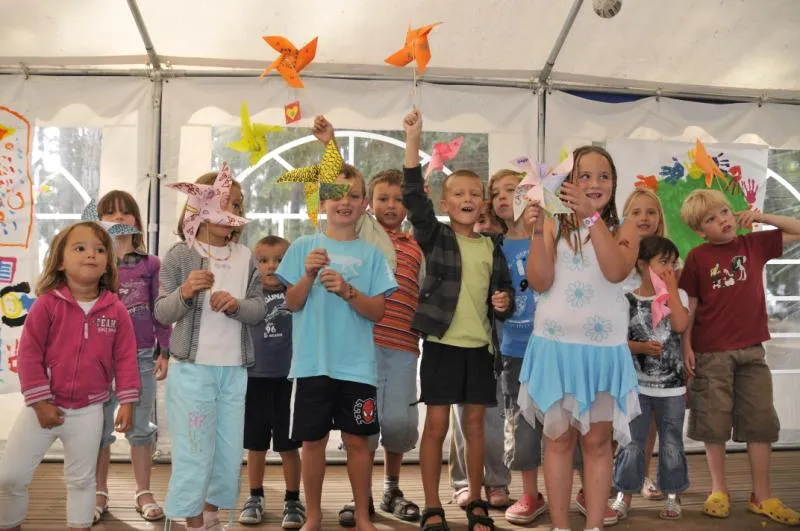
{"points": [[717, 505], [672, 508], [394, 502], [461, 497], [478, 519], [650, 491], [152, 512], [620, 507], [435, 526], [498, 497], [99, 510], [347, 515], [774, 509]]}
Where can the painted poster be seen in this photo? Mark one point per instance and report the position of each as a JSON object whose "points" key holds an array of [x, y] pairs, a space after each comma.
{"points": [[18, 260], [675, 169]]}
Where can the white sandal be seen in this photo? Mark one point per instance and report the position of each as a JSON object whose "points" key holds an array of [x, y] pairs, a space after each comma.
{"points": [[672, 505], [620, 507], [99, 511], [147, 509]]}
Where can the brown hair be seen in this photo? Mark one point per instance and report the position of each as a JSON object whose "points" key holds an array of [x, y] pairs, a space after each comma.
{"points": [[461, 173], [210, 178], [501, 174], [351, 173], [108, 204], [391, 177], [273, 240], [52, 278], [643, 191]]}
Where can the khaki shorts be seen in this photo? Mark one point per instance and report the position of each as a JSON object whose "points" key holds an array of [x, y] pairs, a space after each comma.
{"points": [[732, 389]]}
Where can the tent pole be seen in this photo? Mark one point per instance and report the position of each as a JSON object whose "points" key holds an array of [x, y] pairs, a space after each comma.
{"points": [[155, 62], [154, 173], [562, 36], [540, 96]]}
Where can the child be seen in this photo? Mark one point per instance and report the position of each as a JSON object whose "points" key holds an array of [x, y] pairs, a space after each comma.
{"points": [[577, 374], [269, 394], [658, 357], [466, 285], [336, 289], [138, 278], [732, 385], [77, 338], [523, 440], [210, 288]]}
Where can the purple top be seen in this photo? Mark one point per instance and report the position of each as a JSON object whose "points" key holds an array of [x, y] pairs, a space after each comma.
{"points": [[138, 289]]}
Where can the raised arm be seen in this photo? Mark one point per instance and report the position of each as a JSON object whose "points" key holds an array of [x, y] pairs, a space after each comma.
{"points": [[790, 227], [420, 208]]}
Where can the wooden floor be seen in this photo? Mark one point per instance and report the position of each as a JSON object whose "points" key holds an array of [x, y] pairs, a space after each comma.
{"points": [[48, 499]]}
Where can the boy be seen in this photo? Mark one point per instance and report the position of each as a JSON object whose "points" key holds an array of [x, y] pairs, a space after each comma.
{"points": [[266, 414], [466, 285], [336, 287], [723, 351]]}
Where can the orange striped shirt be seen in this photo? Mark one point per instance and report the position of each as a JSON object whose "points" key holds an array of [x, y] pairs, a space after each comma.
{"points": [[394, 329]]}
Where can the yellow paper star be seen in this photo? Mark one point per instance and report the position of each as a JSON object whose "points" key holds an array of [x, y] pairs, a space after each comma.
{"points": [[254, 137], [324, 173]]}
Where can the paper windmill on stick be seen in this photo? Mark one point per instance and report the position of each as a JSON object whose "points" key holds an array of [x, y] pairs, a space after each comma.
{"points": [[541, 184], [415, 49], [659, 307], [114, 229], [254, 137], [443, 152], [319, 180], [291, 60], [706, 164], [207, 203]]}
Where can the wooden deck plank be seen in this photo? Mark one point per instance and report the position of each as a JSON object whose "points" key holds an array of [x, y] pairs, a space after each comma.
{"points": [[47, 507]]}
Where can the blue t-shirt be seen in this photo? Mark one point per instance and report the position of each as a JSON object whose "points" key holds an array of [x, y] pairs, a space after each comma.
{"points": [[517, 328], [329, 338]]}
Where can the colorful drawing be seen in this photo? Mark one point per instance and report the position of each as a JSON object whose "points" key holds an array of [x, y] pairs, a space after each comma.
{"points": [[443, 152], [8, 266], [416, 48], [254, 137], [15, 301], [16, 190], [291, 61]]}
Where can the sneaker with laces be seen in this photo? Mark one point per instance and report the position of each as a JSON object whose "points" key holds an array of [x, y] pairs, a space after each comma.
{"points": [[253, 511], [526, 510], [294, 515]]}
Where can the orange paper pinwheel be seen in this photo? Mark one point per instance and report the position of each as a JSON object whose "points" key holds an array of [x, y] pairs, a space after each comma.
{"points": [[291, 60], [415, 49], [706, 164]]}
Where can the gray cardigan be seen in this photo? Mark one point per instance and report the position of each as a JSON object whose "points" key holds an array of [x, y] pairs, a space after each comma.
{"points": [[170, 307]]}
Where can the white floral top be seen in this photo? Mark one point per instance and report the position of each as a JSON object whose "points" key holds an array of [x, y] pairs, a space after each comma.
{"points": [[582, 306]]}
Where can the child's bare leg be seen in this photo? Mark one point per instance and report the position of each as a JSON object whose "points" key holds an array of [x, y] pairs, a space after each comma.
{"points": [[142, 460], [103, 465], [313, 475], [530, 480], [392, 462], [359, 470], [256, 461], [558, 456], [715, 456], [650, 446], [597, 466], [475, 447], [437, 422], [760, 454], [290, 463]]}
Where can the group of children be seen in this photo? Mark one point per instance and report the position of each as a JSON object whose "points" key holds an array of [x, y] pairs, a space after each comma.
{"points": [[580, 328]]}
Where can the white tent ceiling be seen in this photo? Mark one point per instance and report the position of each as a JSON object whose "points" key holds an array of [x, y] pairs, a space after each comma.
{"points": [[736, 48]]}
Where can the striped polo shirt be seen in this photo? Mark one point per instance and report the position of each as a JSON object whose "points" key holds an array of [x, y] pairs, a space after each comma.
{"points": [[394, 329]]}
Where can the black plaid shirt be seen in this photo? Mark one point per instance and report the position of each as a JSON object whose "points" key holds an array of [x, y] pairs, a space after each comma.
{"points": [[439, 292]]}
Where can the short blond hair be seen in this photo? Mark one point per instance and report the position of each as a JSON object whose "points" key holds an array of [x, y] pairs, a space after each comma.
{"points": [[698, 203], [643, 191]]}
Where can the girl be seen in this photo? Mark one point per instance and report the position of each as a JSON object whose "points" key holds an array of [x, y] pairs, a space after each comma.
{"points": [[210, 288], [578, 355], [658, 357], [138, 275], [77, 338]]}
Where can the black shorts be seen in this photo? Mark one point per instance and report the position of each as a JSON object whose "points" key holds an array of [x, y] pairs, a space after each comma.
{"points": [[266, 415], [321, 404], [456, 375]]}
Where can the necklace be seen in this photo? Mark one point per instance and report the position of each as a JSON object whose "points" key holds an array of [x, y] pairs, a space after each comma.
{"points": [[225, 258]]}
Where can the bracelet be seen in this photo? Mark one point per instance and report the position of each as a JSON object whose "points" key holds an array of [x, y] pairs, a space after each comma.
{"points": [[591, 220], [351, 293]]}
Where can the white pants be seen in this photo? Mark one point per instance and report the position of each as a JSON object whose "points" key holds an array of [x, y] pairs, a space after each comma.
{"points": [[27, 445]]}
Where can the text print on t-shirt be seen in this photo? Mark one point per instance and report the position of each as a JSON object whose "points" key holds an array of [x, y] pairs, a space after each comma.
{"points": [[722, 277], [277, 310]]}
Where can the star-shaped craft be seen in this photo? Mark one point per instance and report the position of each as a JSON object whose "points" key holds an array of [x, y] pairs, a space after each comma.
{"points": [[415, 49], [254, 137], [208, 203], [706, 164], [319, 180], [540, 183], [443, 152], [291, 61], [114, 229]]}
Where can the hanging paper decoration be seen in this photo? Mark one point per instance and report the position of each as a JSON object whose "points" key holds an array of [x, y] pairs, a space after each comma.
{"points": [[315, 177], [254, 137], [704, 165], [415, 49], [291, 61], [292, 112], [443, 152], [114, 229], [540, 184]]}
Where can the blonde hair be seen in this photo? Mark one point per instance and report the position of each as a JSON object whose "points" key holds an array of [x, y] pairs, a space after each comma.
{"points": [[461, 173], [52, 277], [643, 191], [108, 204], [210, 178], [698, 203]]}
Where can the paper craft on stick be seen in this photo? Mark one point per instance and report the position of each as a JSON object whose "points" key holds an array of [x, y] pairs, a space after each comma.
{"points": [[660, 310], [416, 49], [541, 184], [114, 229], [208, 203], [706, 163], [291, 60], [314, 177], [443, 152], [292, 112], [254, 137]]}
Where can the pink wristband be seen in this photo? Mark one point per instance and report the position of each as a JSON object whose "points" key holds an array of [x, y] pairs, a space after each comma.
{"points": [[591, 220]]}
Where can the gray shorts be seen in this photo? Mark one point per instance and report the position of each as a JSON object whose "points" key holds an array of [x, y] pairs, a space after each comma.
{"points": [[523, 442], [397, 391]]}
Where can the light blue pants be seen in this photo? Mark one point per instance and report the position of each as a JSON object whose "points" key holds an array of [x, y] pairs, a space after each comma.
{"points": [[397, 391], [144, 431], [205, 411]]}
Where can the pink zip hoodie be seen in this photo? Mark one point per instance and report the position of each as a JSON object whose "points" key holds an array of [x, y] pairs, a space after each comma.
{"points": [[71, 358]]}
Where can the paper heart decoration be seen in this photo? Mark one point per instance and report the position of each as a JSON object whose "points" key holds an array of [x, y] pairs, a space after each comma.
{"points": [[660, 310], [541, 184], [292, 112]]}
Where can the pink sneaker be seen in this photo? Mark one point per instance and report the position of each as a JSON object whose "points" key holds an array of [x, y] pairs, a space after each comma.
{"points": [[609, 519], [526, 510]]}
